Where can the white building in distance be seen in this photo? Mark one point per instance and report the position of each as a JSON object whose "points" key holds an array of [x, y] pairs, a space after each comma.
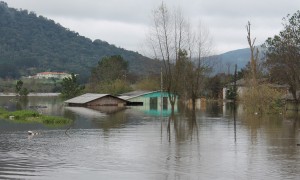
{"points": [[55, 75]]}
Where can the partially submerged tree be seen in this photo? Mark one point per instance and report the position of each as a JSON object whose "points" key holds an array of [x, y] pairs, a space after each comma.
{"points": [[253, 56], [70, 87], [20, 90], [166, 40], [19, 86], [174, 43], [259, 96], [283, 55], [199, 45], [110, 76]]}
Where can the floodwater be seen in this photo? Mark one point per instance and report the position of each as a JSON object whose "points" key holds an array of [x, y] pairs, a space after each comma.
{"points": [[128, 144]]}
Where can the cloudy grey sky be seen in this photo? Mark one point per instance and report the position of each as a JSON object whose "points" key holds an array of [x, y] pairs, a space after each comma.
{"points": [[125, 23]]}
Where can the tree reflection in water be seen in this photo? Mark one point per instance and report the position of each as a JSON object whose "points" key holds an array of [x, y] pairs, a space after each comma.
{"points": [[184, 125]]}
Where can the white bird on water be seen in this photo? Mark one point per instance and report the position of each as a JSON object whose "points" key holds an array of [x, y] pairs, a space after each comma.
{"points": [[32, 133]]}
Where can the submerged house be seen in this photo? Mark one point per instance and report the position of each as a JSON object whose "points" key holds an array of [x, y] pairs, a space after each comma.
{"points": [[150, 102], [240, 88], [91, 100]]}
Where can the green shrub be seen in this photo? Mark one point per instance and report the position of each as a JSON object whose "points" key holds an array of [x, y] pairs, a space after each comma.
{"points": [[262, 99], [55, 120], [33, 116], [24, 114]]}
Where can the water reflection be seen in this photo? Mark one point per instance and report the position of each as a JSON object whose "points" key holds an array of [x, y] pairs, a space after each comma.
{"points": [[43, 104], [184, 126], [209, 143], [87, 112]]}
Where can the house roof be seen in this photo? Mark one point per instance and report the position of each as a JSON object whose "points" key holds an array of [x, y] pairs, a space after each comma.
{"points": [[136, 93], [133, 94], [85, 98]]}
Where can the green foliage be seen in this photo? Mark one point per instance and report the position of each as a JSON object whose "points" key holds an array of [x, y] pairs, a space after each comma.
{"points": [[110, 76], [70, 87], [2, 112], [231, 93], [31, 44], [23, 114], [24, 92], [214, 86], [112, 87], [20, 90], [32, 85], [54, 120], [191, 76], [19, 86], [148, 84], [262, 100], [283, 54], [33, 116], [109, 69]]}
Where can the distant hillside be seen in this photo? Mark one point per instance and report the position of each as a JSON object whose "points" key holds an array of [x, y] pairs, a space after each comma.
{"points": [[227, 61], [31, 44]]}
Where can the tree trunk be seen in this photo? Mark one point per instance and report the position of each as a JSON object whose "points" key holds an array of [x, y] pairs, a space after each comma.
{"points": [[194, 104]]}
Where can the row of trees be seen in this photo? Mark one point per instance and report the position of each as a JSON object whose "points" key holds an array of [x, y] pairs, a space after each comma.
{"points": [[184, 51]]}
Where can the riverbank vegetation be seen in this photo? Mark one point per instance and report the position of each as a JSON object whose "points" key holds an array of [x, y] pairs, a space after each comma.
{"points": [[182, 52], [33, 116], [32, 85], [262, 100], [282, 67], [259, 97]]}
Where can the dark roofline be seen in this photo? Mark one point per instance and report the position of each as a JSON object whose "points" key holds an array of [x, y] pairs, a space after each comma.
{"points": [[85, 102]]}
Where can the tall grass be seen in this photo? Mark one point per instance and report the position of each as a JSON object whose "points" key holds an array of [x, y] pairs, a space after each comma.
{"points": [[55, 120], [33, 116]]}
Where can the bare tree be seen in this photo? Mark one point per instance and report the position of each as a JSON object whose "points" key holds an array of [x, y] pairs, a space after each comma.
{"points": [[182, 52], [166, 39], [259, 97], [253, 55], [200, 45]]}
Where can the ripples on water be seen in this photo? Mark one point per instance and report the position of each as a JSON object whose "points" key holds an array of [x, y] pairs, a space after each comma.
{"points": [[128, 145]]}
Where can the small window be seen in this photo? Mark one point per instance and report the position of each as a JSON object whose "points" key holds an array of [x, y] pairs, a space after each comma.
{"points": [[165, 102], [153, 103]]}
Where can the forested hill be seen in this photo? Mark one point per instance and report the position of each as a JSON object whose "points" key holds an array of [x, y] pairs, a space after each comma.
{"points": [[31, 43]]}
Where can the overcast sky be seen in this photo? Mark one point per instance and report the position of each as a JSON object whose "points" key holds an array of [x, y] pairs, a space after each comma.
{"points": [[125, 23]]}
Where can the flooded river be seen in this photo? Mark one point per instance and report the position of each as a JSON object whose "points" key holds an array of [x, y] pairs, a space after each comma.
{"points": [[131, 144]]}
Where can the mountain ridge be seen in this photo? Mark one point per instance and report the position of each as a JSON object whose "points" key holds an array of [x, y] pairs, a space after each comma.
{"points": [[240, 57], [31, 43]]}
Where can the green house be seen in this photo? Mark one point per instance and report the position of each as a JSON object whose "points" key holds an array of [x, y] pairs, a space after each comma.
{"points": [[155, 103]]}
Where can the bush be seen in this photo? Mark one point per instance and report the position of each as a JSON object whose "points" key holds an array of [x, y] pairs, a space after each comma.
{"points": [[33, 116], [262, 99], [24, 114]]}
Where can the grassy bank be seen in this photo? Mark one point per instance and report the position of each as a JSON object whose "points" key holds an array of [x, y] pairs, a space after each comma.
{"points": [[33, 116], [33, 85]]}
